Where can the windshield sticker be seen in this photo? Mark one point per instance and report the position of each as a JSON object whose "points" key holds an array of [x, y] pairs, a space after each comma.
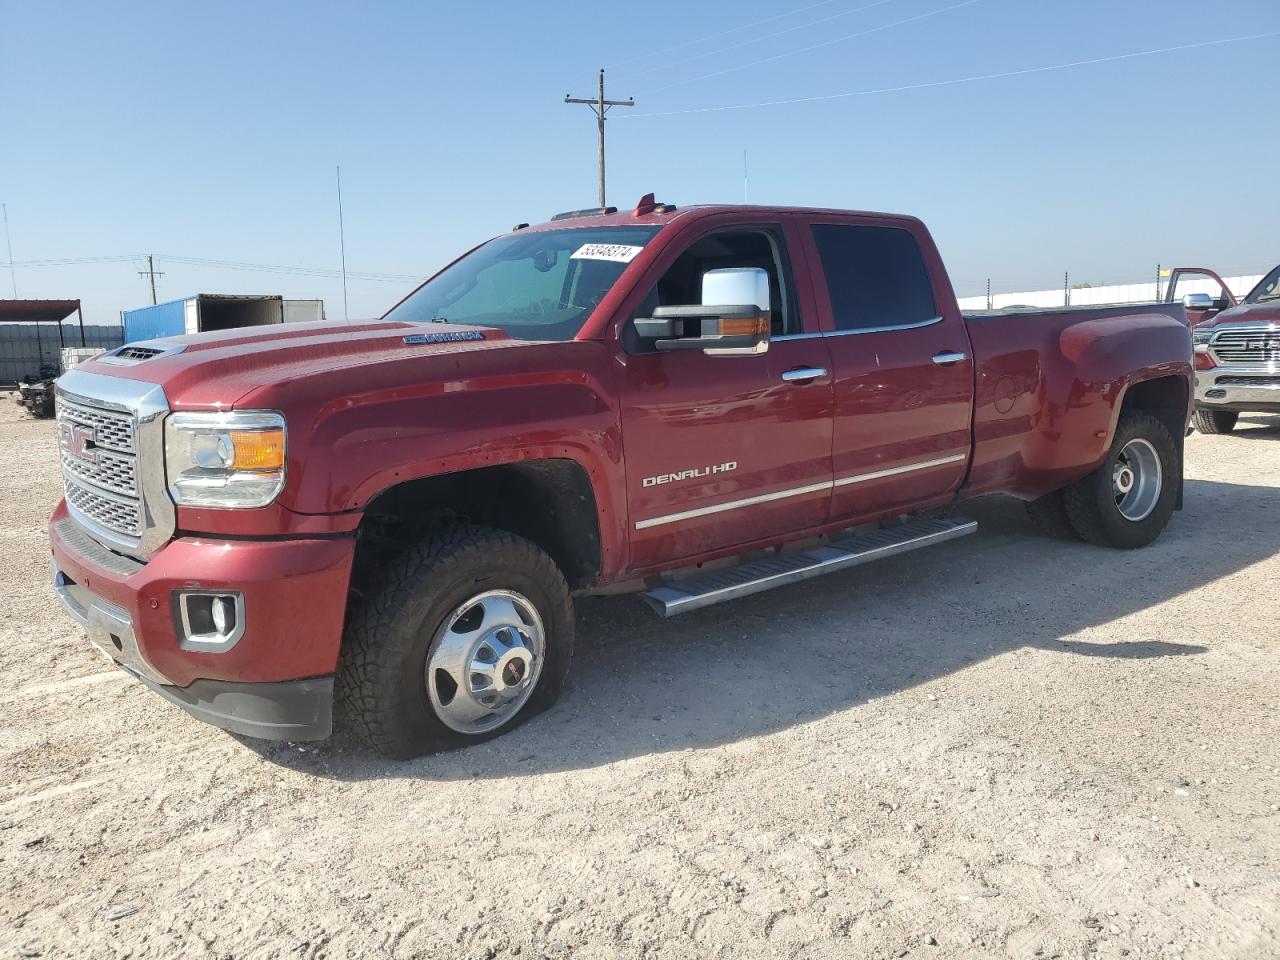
{"points": [[459, 337], [615, 252]]}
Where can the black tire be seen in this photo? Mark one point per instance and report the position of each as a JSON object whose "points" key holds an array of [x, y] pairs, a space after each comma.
{"points": [[1049, 514], [1091, 503], [381, 691], [1214, 421]]}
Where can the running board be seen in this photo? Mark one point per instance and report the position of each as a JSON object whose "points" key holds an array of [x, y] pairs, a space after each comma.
{"points": [[702, 590]]}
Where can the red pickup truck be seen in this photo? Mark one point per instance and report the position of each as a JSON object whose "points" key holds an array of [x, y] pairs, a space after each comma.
{"points": [[695, 404]]}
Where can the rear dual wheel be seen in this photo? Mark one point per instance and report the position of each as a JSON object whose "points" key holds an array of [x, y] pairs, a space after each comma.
{"points": [[1127, 502]]}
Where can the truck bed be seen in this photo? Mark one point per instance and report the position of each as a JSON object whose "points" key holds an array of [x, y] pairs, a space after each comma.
{"points": [[1047, 384]]}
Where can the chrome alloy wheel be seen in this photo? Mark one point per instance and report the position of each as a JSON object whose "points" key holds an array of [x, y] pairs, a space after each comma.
{"points": [[1137, 479], [484, 661]]}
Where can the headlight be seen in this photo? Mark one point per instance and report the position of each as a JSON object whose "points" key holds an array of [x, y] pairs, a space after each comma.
{"points": [[1200, 336], [231, 459]]}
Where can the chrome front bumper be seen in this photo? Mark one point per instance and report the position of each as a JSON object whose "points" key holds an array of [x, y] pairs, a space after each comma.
{"points": [[110, 628], [1242, 388]]}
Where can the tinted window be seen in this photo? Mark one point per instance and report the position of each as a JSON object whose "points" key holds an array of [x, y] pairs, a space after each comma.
{"points": [[1267, 290], [875, 275], [540, 285], [763, 247]]}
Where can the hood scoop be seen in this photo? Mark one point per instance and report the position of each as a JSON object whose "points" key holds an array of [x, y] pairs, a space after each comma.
{"points": [[133, 353]]}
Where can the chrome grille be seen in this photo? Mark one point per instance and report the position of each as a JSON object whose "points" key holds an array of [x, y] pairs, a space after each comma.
{"points": [[100, 480], [111, 471], [111, 432], [121, 514], [1257, 348], [111, 428]]}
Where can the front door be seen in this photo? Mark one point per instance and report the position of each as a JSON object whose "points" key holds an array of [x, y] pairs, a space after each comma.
{"points": [[1187, 280], [902, 363], [723, 451]]}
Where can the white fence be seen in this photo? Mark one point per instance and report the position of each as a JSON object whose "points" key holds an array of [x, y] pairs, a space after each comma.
{"points": [[1112, 293]]}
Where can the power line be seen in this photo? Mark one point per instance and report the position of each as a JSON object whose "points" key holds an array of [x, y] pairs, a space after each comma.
{"points": [[284, 269], [722, 33], [959, 80], [600, 106], [73, 261], [329, 273], [767, 36], [816, 46]]}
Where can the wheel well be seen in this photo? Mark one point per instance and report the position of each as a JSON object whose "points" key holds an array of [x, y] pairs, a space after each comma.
{"points": [[549, 502], [1165, 398]]}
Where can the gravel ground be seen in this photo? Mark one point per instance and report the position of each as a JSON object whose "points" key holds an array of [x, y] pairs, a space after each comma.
{"points": [[1003, 747]]}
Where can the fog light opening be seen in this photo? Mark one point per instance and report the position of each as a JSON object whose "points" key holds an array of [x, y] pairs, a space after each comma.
{"points": [[212, 622]]}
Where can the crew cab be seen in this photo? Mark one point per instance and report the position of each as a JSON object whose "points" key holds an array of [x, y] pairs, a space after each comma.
{"points": [[1238, 359], [694, 404]]}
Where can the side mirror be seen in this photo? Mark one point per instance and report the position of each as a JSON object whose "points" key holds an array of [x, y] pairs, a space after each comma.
{"points": [[1197, 302], [733, 319]]}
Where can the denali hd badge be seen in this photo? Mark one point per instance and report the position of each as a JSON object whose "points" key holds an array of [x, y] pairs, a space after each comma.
{"points": [[459, 337], [690, 474]]}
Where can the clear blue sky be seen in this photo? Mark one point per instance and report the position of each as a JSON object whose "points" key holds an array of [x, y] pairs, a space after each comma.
{"points": [[212, 130]]}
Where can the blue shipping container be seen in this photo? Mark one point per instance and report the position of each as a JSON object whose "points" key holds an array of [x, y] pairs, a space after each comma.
{"points": [[161, 320]]}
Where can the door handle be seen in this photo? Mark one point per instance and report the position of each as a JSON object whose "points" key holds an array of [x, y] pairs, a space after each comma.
{"points": [[949, 357], [802, 374]]}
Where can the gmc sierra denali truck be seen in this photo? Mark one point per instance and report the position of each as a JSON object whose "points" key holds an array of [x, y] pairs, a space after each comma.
{"points": [[1238, 359], [390, 518]]}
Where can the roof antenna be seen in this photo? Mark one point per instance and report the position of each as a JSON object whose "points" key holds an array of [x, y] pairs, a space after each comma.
{"points": [[13, 271], [342, 246]]}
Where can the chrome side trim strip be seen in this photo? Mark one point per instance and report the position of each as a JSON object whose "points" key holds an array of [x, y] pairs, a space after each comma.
{"points": [[732, 505], [795, 492], [894, 471], [889, 329], [859, 330]]}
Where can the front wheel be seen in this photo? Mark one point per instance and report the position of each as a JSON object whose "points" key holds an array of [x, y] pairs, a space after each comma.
{"points": [[1127, 502], [472, 634], [1215, 421]]}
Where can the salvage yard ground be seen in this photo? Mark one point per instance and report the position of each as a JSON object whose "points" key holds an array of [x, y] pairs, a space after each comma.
{"points": [[1003, 747]]}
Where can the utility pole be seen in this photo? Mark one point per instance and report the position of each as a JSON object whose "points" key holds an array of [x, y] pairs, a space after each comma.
{"points": [[151, 272], [600, 106], [13, 272]]}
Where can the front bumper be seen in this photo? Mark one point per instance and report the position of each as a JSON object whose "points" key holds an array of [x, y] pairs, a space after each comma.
{"points": [[276, 681], [1225, 388]]}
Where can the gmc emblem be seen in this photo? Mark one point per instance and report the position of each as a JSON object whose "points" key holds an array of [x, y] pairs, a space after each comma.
{"points": [[77, 441]]}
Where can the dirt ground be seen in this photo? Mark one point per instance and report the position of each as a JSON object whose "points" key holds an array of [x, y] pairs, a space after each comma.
{"points": [[1006, 746]]}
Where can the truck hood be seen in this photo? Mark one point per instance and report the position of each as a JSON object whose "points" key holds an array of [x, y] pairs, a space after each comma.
{"points": [[215, 370], [1249, 313]]}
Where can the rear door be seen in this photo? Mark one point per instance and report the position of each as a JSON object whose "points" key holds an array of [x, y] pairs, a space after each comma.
{"points": [[722, 451], [902, 363]]}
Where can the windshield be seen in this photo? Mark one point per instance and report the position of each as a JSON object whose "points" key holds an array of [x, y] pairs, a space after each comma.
{"points": [[535, 286], [1267, 290]]}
